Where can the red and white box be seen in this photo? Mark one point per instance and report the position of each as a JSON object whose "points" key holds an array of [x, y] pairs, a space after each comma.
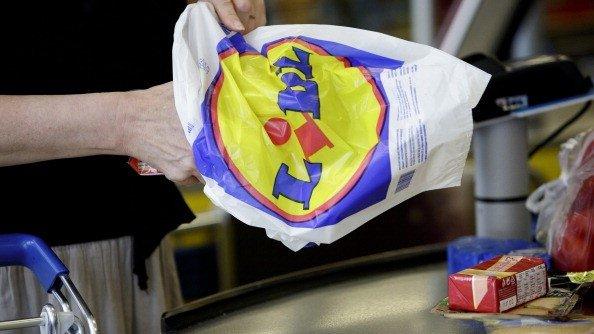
{"points": [[497, 285]]}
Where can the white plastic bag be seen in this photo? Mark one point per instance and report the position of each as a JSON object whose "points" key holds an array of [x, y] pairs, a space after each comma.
{"points": [[309, 131], [546, 201]]}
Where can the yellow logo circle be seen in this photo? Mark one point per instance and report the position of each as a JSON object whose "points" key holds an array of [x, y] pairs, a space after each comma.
{"points": [[297, 127]]}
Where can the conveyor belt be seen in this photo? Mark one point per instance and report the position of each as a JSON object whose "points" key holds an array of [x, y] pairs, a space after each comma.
{"points": [[385, 293]]}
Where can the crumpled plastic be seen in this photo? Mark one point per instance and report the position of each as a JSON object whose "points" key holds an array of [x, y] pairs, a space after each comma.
{"points": [[565, 207], [309, 131]]}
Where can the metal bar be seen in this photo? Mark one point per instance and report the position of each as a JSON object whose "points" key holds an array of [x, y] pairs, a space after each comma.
{"points": [[501, 180], [422, 21], [21, 323], [77, 327], [80, 302], [456, 33], [61, 300]]}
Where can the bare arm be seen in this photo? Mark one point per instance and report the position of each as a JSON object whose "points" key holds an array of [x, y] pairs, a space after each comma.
{"points": [[142, 124], [45, 127]]}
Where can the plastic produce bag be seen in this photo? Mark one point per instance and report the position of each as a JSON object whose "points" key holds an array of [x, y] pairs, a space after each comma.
{"points": [[309, 131], [566, 207]]}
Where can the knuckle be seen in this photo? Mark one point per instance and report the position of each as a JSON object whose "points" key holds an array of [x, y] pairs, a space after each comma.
{"points": [[223, 7], [243, 5]]}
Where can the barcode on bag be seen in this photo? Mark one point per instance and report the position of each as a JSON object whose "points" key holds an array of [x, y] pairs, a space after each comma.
{"points": [[404, 180], [411, 143]]}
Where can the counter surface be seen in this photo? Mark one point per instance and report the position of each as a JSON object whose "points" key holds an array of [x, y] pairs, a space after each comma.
{"points": [[394, 302]]}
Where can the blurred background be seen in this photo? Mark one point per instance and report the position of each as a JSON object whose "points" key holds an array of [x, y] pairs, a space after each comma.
{"points": [[216, 252]]}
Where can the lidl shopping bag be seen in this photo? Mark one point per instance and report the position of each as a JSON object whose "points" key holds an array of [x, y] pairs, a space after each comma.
{"points": [[309, 131]]}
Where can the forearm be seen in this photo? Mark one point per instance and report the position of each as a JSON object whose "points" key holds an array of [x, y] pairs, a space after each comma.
{"points": [[141, 123], [45, 127]]}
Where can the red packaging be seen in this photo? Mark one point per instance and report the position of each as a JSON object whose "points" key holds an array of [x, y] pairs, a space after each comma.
{"points": [[498, 285], [142, 168], [573, 247]]}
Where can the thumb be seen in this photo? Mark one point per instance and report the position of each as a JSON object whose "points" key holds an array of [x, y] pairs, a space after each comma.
{"points": [[226, 12]]}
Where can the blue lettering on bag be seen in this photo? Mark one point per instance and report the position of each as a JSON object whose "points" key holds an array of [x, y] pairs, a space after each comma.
{"points": [[300, 95], [294, 189]]}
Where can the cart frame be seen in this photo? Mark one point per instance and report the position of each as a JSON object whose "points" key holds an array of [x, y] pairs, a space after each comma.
{"points": [[31, 252]]}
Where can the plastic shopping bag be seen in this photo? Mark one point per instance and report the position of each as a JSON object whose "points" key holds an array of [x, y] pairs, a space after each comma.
{"points": [[309, 131], [566, 207]]}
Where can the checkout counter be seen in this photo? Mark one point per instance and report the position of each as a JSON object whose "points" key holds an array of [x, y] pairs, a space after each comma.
{"points": [[388, 292]]}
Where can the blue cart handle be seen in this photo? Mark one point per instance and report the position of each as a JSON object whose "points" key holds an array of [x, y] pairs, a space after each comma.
{"points": [[31, 252]]}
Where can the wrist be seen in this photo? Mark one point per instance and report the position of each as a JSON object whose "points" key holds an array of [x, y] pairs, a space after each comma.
{"points": [[99, 126], [128, 108]]}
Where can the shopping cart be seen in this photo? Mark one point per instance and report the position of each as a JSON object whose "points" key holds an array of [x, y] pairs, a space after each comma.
{"points": [[31, 252]]}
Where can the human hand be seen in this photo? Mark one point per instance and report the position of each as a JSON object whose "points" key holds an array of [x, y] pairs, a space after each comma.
{"points": [[151, 132], [240, 15]]}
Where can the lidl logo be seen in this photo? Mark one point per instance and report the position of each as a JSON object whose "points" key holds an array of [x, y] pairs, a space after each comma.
{"points": [[295, 124]]}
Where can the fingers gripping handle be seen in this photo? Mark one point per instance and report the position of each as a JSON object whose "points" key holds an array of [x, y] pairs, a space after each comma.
{"points": [[31, 252]]}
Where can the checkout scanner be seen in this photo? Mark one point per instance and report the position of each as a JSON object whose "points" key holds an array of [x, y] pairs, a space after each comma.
{"points": [[520, 84]]}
